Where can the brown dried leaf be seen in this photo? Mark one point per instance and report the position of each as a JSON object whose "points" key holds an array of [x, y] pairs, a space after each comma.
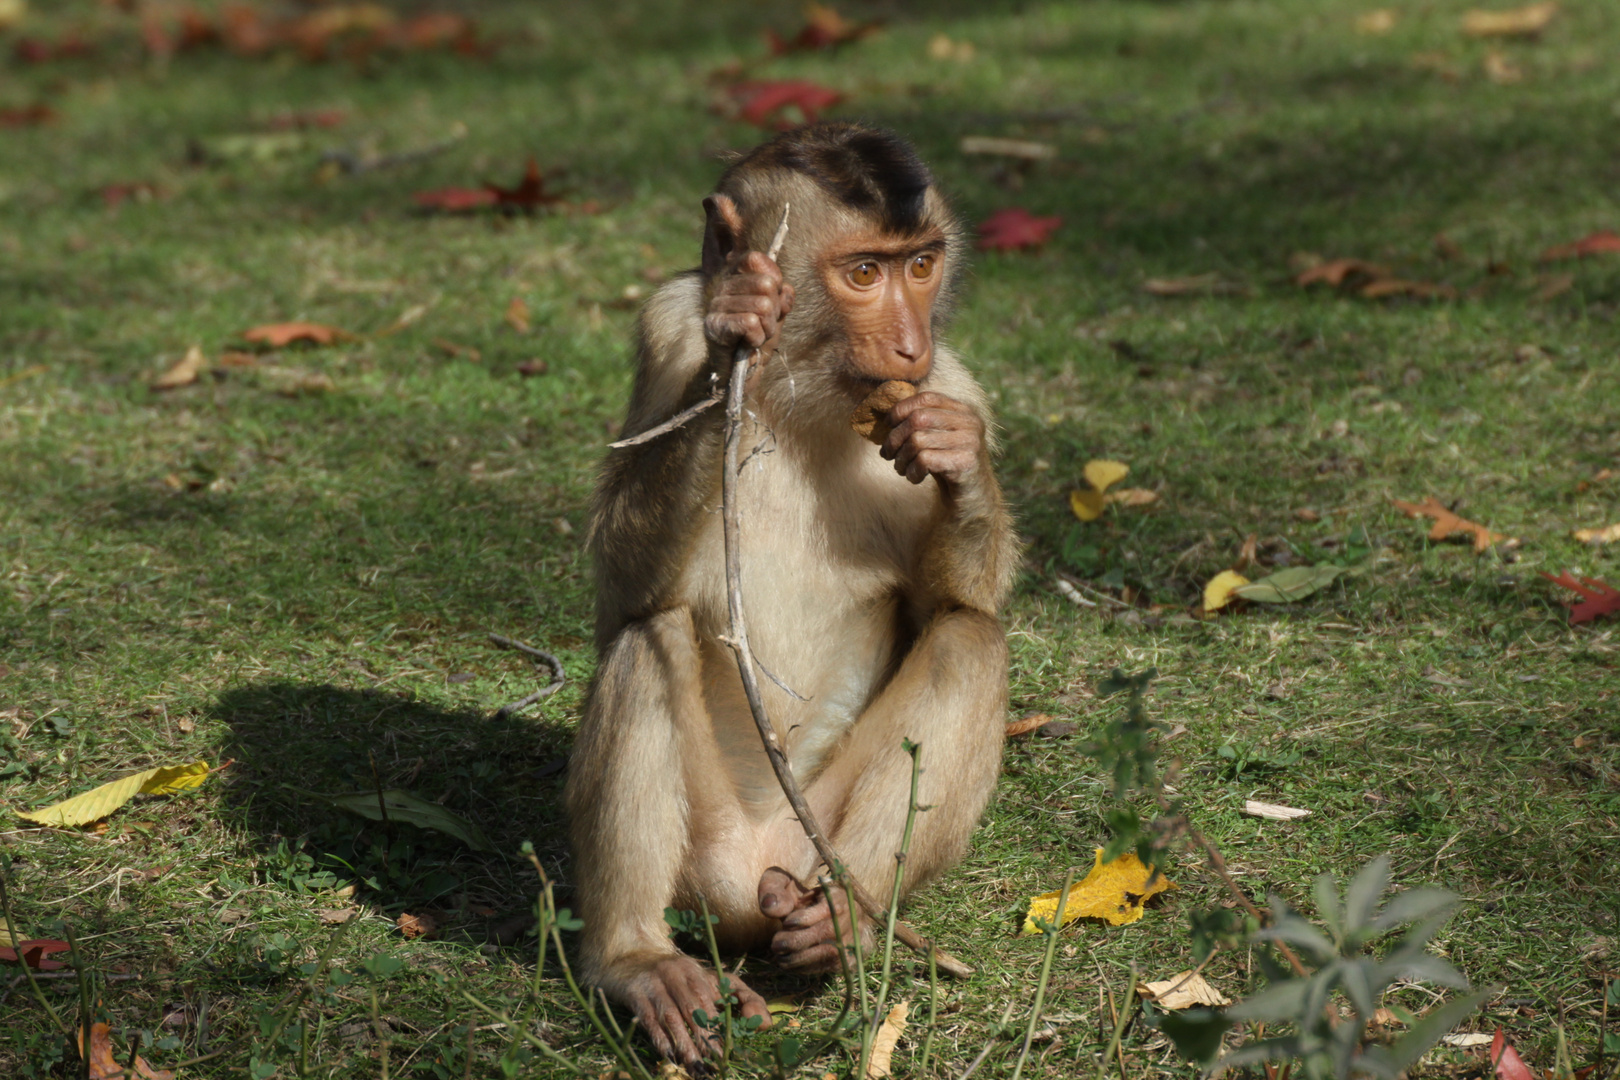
{"points": [[1526, 21], [1336, 272], [1183, 991], [1132, 496], [337, 916], [415, 926], [280, 335], [517, 315], [1028, 724], [103, 1066], [884, 1042], [183, 373], [1609, 534], [1448, 524], [1423, 290]]}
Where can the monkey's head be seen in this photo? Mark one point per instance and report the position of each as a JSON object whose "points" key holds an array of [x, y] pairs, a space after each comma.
{"points": [[872, 250]]}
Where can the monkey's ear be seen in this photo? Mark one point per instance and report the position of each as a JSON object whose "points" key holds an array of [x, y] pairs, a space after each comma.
{"points": [[722, 232]]}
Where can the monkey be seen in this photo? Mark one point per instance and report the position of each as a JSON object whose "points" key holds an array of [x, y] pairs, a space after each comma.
{"points": [[872, 579]]}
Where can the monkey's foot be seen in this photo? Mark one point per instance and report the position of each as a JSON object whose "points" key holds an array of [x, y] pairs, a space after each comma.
{"points": [[806, 941], [666, 992]]}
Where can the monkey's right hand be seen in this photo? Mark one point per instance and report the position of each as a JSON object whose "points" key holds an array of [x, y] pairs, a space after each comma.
{"points": [[747, 303], [665, 994]]}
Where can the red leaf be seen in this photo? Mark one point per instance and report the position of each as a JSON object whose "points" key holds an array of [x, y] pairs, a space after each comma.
{"points": [[762, 101], [1601, 599], [27, 116], [529, 193], [824, 28], [1597, 243], [1509, 1065], [1013, 228], [277, 335], [456, 200], [33, 953]]}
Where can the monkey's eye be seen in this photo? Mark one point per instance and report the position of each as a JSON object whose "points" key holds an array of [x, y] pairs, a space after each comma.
{"points": [[922, 267], [864, 274]]}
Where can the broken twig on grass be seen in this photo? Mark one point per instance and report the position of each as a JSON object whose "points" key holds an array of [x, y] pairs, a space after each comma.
{"points": [[557, 675], [742, 362]]}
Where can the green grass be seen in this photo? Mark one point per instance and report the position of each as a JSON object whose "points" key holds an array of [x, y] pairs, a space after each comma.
{"points": [[305, 583]]}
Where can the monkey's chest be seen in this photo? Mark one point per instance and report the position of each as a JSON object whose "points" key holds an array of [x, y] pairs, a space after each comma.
{"points": [[822, 583]]}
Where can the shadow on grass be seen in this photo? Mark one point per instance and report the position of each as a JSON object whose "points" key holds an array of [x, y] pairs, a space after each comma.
{"points": [[293, 742]]}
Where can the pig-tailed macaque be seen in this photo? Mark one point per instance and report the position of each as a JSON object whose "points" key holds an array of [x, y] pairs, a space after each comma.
{"points": [[872, 576]]}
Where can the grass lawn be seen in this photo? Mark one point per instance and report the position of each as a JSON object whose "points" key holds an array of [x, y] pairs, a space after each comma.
{"points": [[294, 562]]}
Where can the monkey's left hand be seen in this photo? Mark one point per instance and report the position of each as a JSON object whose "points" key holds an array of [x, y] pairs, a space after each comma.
{"points": [[935, 436]]}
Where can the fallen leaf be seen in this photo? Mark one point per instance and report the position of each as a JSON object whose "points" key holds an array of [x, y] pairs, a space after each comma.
{"points": [[99, 802], [1248, 554], [1448, 524], [1423, 290], [997, 146], [183, 373], [1112, 891], [1526, 21], [1088, 503], [1466, 1039], [104, 1066], [1609, 534], [1506, 1060], [1306, 514], [1198, 285], [1382, 1017], [1552, 285], [1272, 811], [32, 953], [415, 926], [1133, 497], [517, 315], [1183, 991], [1013, 228], [400, 805], [337, 916], [1601, 598], [12, 12], [1602, 242], [1027, 724], [824, 28], [280, 335], [114, 195], [530, 368], [1057, 729], [456, 200], [463, 351], [1102, 474], [1377, 21], [884, 1041], [1500, 70], [8, 935], [1289, 585], [941, 47], [310, 118], [529, 194], [1336, 272], [1218, 592], [763, 103], [27, 116]]}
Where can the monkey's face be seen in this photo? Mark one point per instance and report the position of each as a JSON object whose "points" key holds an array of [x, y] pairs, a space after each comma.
{"points": [[885, 287]]}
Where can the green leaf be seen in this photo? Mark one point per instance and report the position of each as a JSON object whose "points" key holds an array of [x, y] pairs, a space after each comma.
{"points": [[1361, 899], [1196, 1032], [404, 807], [1279, 1001], [1287, 586], [1325, 890], [383, 965], [1413, 905]]}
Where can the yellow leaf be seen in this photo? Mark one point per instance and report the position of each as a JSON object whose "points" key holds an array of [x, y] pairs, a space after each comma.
{"points": [[1519, 22], [883, 1043], [183, 373], [98, 802], [1087, 505], [1218, 593], [8, 936], [1112, 891], [1102, 475]]}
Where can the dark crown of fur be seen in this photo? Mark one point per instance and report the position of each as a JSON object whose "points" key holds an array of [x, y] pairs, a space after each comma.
{"points": [[867, 169]]}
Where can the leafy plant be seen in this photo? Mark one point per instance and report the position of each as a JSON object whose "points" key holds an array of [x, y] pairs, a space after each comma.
{"points": [[1325, 967]]}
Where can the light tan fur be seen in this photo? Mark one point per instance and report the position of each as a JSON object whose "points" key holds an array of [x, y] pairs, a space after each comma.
{"points": [[872, 598]]}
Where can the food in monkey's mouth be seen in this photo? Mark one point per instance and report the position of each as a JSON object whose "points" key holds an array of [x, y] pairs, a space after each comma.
{"points": [[871, 417]]}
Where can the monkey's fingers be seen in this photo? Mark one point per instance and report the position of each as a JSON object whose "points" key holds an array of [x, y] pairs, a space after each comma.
{"points": [[780, 893]]}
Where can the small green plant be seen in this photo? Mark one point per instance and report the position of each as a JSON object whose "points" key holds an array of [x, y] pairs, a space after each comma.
{"points": [[1333, 963]]}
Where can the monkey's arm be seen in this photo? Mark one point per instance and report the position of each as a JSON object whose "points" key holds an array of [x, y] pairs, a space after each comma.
{"points": [[651, 499], [970, 556]]}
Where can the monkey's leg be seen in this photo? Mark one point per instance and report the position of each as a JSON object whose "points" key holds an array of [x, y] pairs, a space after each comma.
{"points": [[635, 816], [950, 697]]}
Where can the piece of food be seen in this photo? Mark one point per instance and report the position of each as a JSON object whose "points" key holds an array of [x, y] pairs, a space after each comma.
{"points": [[871, 417]]}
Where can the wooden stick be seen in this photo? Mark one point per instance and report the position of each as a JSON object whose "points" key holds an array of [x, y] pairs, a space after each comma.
{"points": [[742, 363]]}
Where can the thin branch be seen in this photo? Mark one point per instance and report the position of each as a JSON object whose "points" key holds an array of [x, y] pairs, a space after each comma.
{"points": [[716, 396], [557, 675], [738, 641]]}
